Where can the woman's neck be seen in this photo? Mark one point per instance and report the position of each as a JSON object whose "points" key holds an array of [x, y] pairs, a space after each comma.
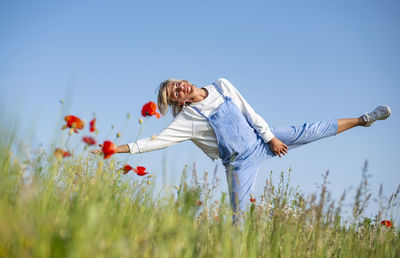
{"points": [[201, 94]]}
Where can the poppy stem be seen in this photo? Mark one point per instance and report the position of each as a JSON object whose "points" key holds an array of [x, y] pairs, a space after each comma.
{"points": [[67, 141], [77, 145], [140, 130], [125, 124], [109, 132]]}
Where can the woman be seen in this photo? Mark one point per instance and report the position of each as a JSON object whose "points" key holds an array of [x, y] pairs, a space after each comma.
{"points": [[220, 122]]}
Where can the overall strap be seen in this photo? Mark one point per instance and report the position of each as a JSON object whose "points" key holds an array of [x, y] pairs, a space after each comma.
{"points": [[219, 90], [198, 111]]}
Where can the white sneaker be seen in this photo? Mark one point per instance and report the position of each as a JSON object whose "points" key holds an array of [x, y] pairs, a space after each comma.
{"points": [[379, 113]]}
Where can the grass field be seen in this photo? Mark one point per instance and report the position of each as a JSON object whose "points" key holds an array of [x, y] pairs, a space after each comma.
{"points": [[83, 206]]}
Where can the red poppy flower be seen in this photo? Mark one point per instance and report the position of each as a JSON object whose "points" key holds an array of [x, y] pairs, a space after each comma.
{"points": [[252, 198], [92, 125], [387, 223], [74, 123], [127, 168], [140, 171], [60, 153], [150, 109], [109, 149], [89, 140]]}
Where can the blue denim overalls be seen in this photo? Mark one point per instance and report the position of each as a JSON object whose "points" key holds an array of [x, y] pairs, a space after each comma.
{"points": [[242, 150]]}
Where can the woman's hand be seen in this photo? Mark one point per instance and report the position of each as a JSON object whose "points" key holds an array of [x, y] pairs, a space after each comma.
{"points": [[278, 147], [118, 149], [97, 151]]}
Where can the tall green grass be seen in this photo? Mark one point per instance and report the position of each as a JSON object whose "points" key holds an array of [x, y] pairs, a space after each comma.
{"points": [[82, 206]]}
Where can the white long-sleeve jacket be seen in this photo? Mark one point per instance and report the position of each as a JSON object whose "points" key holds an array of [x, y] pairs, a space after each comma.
{"points": [[190, 125]]}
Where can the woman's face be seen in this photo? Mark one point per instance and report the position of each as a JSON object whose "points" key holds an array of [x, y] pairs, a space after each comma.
{"points": [[180, 92]]}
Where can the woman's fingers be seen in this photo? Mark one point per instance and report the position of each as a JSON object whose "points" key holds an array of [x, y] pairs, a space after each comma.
{"points": [[97, 151], [282, 151], [278, 147]]}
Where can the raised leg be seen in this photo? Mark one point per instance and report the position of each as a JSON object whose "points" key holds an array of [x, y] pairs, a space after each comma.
{"points": [[348, 123], [294, 136]]}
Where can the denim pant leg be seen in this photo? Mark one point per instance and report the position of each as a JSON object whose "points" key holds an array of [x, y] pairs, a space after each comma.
{"points": [[241, 174], [295, 136]]}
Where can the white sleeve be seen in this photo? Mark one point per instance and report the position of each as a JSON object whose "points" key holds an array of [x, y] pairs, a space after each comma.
{"points": [[252, 117], [179, 130]]}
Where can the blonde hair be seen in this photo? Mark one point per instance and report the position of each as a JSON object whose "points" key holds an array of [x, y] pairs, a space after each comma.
{"points": [[164, 102]]}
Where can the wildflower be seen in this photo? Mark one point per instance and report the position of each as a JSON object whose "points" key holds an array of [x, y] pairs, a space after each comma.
{"points": [[148, 182], [252, 199], [199, 203], [109, 149], [118, 135], [92, 125], [60, 153], [177, 187], [387, 223], [153, 137], [150, 109], [140, 120], [74, 123], [127, 168], [140, 171], [89, 140]]}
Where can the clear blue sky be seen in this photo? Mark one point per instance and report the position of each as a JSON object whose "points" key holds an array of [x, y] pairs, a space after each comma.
{"points": [[294, 62]]}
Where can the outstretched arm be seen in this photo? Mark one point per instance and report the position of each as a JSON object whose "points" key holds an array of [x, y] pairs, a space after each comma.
{"points": [[179, 130]]}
